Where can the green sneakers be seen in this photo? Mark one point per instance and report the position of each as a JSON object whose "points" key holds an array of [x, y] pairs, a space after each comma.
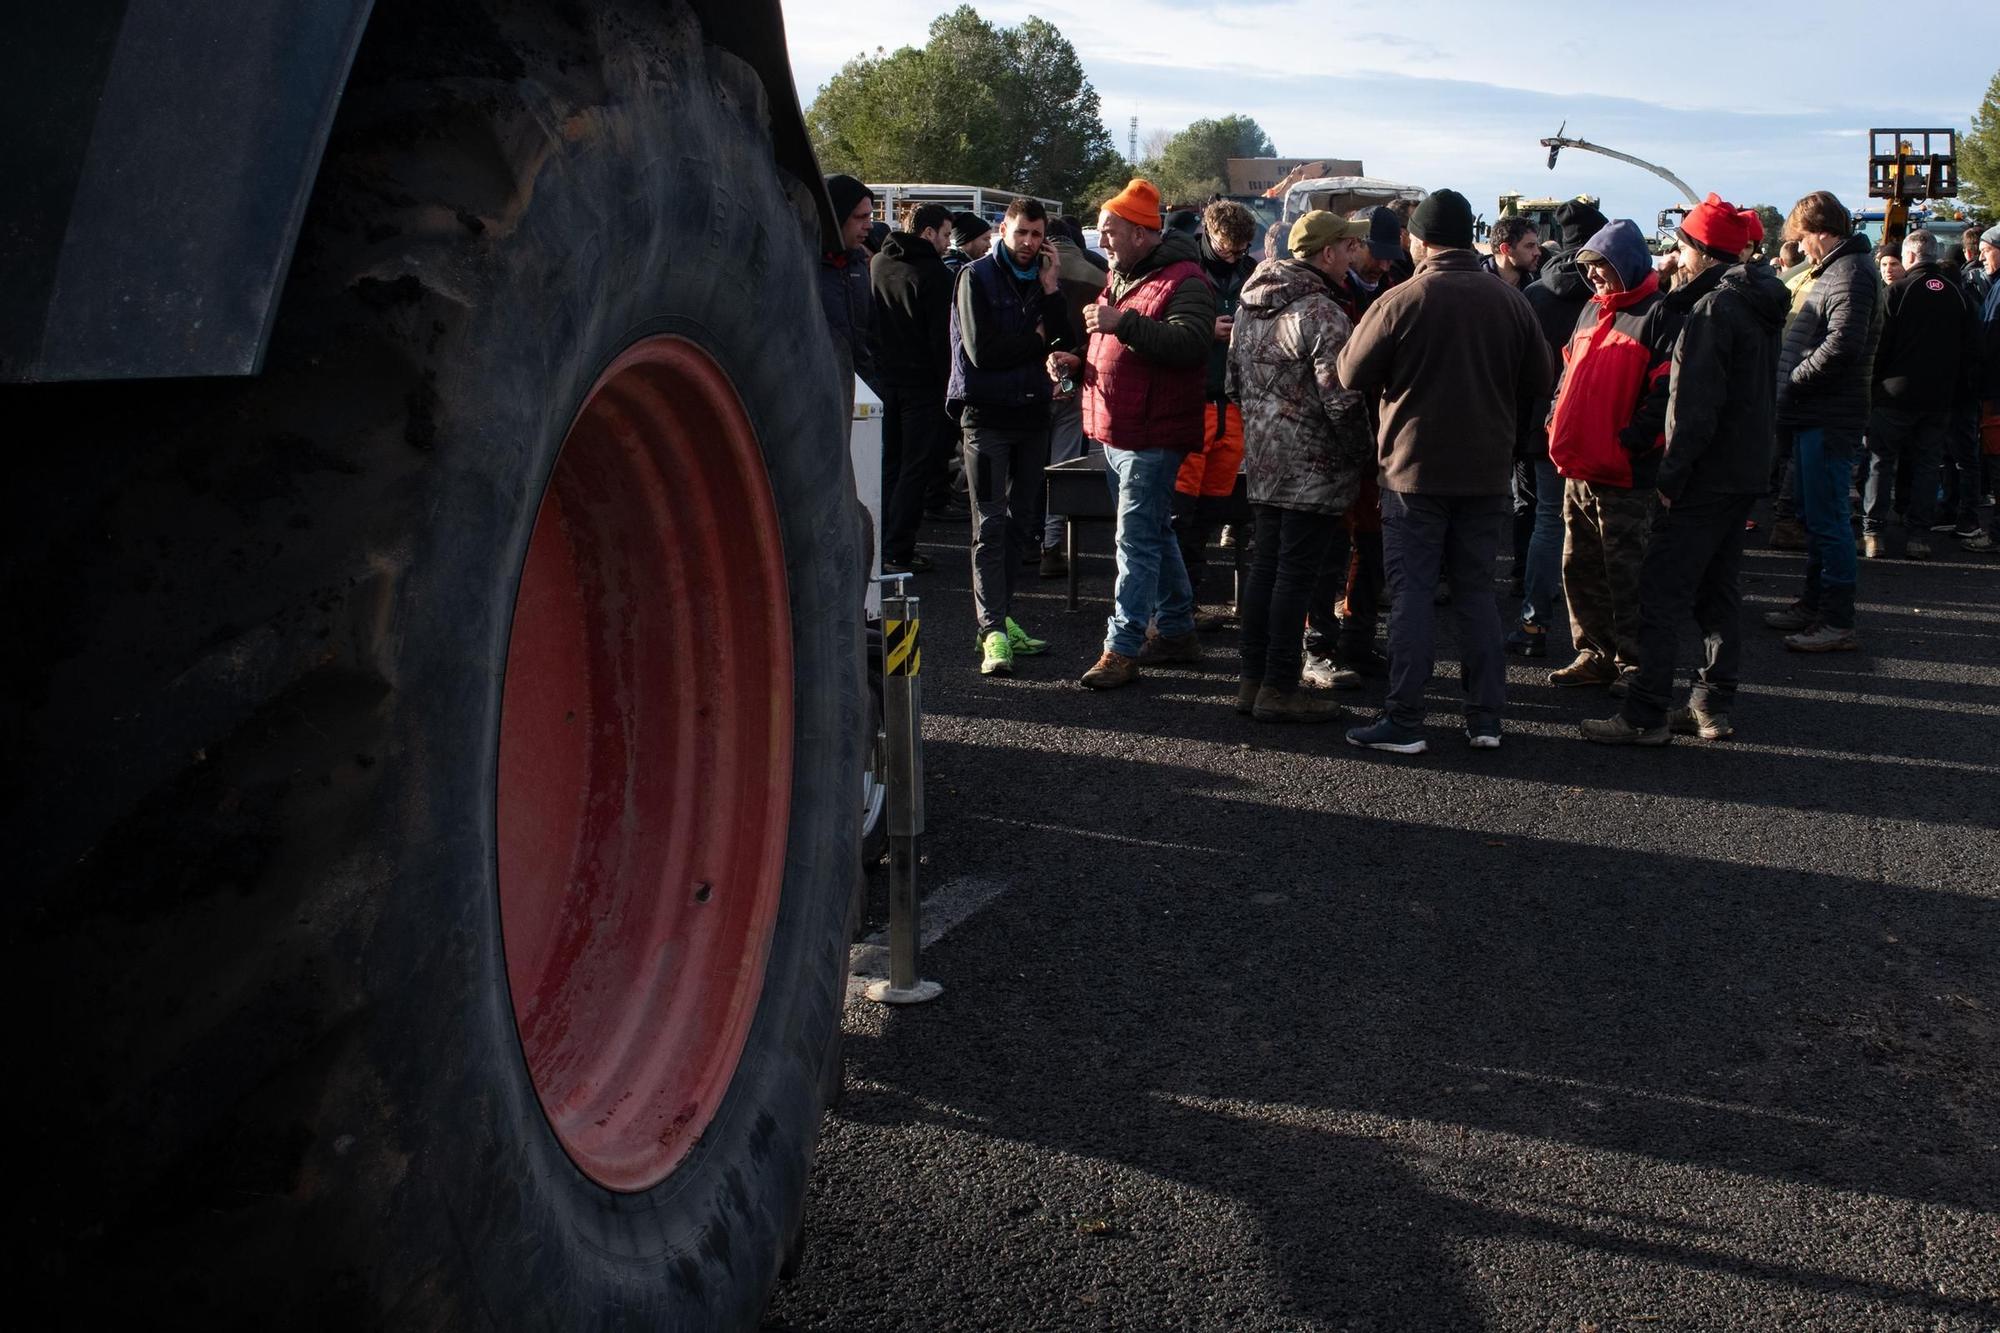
{"points": [[1022, 642], [996, 655]]}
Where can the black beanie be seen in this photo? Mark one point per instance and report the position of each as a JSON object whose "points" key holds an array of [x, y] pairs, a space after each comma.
{"points": [[1577, 222], [967, 228], [846, 192], [1443, 220]]}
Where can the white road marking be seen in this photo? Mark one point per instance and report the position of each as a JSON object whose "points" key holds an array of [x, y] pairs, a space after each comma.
{"points": [[943, 912]]}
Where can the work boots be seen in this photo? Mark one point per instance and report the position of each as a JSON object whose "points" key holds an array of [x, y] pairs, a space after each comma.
{"points": [[1111, 671], [1788, 534], [1792, 619], [1587, 669], [1167, 649], [1275, 705]]}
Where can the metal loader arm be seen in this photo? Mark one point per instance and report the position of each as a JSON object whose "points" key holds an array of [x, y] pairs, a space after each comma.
{"points": [[1556, 143]]}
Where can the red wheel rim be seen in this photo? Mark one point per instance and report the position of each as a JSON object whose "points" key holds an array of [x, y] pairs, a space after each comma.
{"points": [[645, 763]]}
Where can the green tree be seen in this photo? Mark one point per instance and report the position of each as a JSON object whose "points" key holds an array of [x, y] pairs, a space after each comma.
{"points": [[1112, 176], [1194, 163], [1773, 220], [1979, 157], [975, 105]]}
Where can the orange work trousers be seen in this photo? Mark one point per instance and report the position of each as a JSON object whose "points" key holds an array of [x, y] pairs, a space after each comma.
{"points": [[1212, 472]]}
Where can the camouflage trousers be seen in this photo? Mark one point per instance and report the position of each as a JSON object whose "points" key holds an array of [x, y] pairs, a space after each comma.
{"points": [[1604, 544]]}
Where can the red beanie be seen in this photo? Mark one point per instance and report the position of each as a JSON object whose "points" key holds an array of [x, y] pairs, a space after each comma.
{"points": [[1722, 229]]}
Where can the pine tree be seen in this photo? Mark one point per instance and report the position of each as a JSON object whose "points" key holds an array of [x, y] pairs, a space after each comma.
{"points": [[1979, 158]]}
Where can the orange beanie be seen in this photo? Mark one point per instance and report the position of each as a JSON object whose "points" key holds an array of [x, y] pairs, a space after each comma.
{"points": [[1139, 204]]}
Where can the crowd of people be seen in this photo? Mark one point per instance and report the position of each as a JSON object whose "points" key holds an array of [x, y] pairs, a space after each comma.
{"points": [[1397, 404]]}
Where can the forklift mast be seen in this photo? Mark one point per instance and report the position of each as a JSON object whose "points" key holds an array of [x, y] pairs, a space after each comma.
{"points": [[1906, 165]]}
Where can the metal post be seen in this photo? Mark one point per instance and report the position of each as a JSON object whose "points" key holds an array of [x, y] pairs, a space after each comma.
{"points": [[902, 701]]}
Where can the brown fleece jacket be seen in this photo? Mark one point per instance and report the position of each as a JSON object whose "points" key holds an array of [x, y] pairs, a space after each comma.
{"points": [[1460, 364]]}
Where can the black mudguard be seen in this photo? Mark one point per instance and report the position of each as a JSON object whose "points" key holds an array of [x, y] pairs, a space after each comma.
{"points": [[159, 157]]}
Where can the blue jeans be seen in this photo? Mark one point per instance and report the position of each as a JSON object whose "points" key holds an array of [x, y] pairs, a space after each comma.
{"points": [[1542, 587], [1152, 583], [1824, 464]]}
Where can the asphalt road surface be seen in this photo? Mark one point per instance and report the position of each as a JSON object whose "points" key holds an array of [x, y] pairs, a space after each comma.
{"points": [[1246, 1029]]}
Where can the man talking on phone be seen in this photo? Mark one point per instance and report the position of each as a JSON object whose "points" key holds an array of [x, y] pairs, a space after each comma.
{"points": [[1008, 314]]}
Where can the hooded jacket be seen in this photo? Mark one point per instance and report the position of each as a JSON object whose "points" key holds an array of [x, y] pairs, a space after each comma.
{"points": [[1611, 404], [1559, 296], [1144, 387], [1720, 412], [1305, 437], [1228, 280], [850, 311], [912, 314], [1460, 365], [1929, 336], [1827, 363]]}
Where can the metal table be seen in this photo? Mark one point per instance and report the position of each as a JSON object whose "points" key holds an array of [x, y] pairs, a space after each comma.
{"points": [[1079, 489]]}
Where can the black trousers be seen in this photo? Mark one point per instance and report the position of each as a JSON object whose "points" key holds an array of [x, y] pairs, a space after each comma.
{"points": [[1285, 562], [916, 436], [1352, 570], [1693, 567], [1004, 467], [1524, 513]]}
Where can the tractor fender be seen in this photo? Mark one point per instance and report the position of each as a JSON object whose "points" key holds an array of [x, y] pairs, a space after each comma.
{"points": [[160, 157]]}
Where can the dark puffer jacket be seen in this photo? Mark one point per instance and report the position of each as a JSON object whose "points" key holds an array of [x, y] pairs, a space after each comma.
{"points": [[1827, 364], [1720, 406]]}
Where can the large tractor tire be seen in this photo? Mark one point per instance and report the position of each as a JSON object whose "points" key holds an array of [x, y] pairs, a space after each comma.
{"points": [[432, 821]]}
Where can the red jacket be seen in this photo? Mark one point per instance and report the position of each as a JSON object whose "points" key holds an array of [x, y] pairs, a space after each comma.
{"points": [[1610, 411]]}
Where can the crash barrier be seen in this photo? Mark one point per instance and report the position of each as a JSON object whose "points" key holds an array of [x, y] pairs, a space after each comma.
{"points": [[1079, 488], [903, 717]]}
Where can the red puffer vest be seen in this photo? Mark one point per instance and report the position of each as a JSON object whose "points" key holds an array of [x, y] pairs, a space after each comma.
{"points": [[1130, 402]]}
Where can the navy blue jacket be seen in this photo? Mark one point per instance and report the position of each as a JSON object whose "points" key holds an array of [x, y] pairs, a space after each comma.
{"points": [[999, 346]]}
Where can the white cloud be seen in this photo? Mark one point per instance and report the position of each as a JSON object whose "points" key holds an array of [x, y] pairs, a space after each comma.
{"points": [[1435, 92]]}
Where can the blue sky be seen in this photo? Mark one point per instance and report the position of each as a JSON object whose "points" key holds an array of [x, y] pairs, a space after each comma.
{"points": [[1439, 93]]}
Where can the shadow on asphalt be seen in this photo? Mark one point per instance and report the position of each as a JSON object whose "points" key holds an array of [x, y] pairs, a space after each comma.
{"points": [[1323, 1010], [1313, 975], [1850, 768]]}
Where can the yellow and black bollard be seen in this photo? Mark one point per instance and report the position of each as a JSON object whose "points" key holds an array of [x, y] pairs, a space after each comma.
{"points": [[903, 705]]}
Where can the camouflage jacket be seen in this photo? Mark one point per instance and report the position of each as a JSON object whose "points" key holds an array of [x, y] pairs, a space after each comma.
{"points": [[1306, 442]]}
